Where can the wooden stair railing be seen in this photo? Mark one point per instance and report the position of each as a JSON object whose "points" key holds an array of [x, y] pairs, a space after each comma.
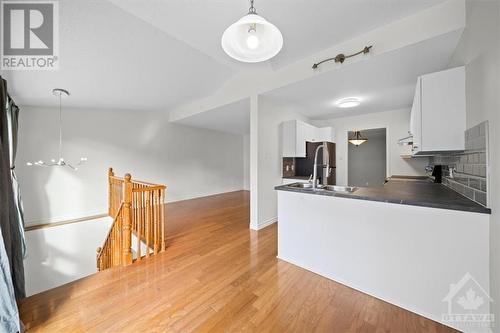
{"points": [[137, 208], [109, 255]]}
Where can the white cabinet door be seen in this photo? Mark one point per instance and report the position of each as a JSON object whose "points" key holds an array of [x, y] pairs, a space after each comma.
{"points": [[289, 135], [296, 133], [437, 120], [416, 118], [304, 134], [443, 110]]}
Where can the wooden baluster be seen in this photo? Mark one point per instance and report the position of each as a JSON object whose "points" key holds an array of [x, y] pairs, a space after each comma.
{"points": [[110, 191], [126, 222], [112, 246], [156, 220], [139, 224], [147, 222], [98, 257], [163, 222], [152, 220]]}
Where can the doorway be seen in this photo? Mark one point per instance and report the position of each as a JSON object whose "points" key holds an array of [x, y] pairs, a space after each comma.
{"points": [[367, 162]]}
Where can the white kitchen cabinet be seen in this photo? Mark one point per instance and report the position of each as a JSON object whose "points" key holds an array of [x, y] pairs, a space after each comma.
{"points": [[323, 134], [437, 120], [296, 133], [416, 118]]}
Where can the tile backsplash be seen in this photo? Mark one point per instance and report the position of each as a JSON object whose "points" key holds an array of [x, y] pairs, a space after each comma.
{"points": [[471, 167]]}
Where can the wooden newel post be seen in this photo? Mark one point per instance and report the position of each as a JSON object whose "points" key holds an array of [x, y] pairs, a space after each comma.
{"points": [[110, 189], [127, 221]]}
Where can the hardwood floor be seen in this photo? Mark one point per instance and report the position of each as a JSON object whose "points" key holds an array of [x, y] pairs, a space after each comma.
{"points": [[217, 276]]}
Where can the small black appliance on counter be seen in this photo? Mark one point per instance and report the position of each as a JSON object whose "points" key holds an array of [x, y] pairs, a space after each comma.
{"points": [[437, 173]]}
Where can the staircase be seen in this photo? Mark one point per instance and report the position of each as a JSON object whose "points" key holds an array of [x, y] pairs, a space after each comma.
{"points": [[137, 208]]}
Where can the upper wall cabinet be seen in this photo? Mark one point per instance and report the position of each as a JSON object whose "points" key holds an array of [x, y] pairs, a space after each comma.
{"points": [[437, 120], [296, 133]]}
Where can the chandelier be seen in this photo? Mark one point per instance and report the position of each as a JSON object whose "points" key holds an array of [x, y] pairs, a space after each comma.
{"points": [[357, 139], [60, 162]]}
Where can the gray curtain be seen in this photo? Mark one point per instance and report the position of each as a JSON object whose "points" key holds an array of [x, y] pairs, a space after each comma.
{"points": [[9, 315], [13, 126], [11, 217]]}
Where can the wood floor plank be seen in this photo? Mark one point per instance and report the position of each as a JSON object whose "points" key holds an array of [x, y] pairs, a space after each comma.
{"points": [[217, 275]]}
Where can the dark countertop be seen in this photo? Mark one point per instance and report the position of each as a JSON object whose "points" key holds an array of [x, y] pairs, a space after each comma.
{"points": [[413, 192]]}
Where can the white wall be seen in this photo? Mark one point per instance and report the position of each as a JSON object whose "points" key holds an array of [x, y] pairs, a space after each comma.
{"points": [[367, 162], [192, 162], [401, 254], [479, 51], [269, 160], [246, 162], [397, 123], [62, 254]]}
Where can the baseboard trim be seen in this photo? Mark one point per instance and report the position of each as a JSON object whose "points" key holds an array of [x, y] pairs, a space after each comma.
{"points": [[64, 222], [204, 195], [265, 224]]}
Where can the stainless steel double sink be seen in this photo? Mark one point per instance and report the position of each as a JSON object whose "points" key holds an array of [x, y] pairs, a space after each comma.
{"points": [[328, 188]]}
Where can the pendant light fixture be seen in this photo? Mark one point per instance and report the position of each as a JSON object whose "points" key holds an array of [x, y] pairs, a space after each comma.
{"points": [[357, 139], [60, 161], [252, 38]]}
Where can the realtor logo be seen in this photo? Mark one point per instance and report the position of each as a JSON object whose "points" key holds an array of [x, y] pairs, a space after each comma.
{"points": [[30, 35], [468, 305]]}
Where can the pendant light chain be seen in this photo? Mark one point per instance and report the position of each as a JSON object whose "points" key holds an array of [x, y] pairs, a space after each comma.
{"points": [[60, 126], [252, 10]]}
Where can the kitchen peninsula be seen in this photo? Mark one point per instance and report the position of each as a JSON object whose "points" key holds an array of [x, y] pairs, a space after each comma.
{"points": [[404, 243]]}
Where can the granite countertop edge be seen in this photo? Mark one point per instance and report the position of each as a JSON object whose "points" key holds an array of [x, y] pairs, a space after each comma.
{"points": [[449, 206]]}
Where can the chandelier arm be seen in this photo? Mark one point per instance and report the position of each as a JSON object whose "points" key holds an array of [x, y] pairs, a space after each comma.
{"points": [[70, 166]]}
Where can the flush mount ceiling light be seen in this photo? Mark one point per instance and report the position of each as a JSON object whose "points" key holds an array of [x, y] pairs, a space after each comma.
{"points": [[357, 139], [349, 102], [252, 38], [60, 161]]}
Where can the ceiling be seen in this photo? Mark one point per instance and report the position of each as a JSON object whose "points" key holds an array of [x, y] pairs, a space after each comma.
{"points": [[231, 118], [308, 26], [111, 59], [384, 82], [157, 54]]}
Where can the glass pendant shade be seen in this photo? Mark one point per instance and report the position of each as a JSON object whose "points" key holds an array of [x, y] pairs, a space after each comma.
{"points": [[252, 39], [357, 139]]}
